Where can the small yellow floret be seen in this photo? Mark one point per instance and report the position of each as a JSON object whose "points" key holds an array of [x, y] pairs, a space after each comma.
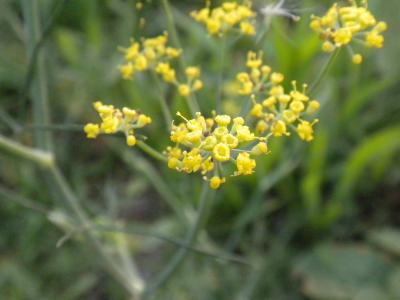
{"points": [[92, 130], [184, 90], [357, 59], [215, 182], [221, 152], [131, 140], [245, 165]]}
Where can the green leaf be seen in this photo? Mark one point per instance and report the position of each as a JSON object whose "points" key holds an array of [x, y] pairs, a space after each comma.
{"points": [[341, 272], [387, 239]]}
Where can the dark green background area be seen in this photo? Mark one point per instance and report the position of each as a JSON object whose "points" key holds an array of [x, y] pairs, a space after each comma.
{"points": [[316, 221]]}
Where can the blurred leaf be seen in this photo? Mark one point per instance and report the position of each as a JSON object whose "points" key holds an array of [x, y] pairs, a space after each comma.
{"points": [[361, 97], [341, 272], [393, 284], [387, 239], [370, 150]]}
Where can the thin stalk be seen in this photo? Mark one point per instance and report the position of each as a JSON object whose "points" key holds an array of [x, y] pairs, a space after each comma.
{"points": [[190, 239], [220, 75], [163, 103], [36, 50], [42, 158], [68, 196], [8, 194], [172, 28], [323, 71], [191, 101], [151, 151], [39, 91]]}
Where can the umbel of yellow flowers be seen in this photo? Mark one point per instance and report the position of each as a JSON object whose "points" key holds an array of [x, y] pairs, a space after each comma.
{"points": [[114, 120], [275, 110], [229, 16], [153, 54], [205, 145], [343, 24]]}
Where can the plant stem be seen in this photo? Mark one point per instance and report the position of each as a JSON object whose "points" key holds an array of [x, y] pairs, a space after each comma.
{"points": [[220, 75], [191, 101], [39, 87], [172, 29], [190, 239], [151, 151], [323, 71], [163, 103], [68, 196], [42, 158]]}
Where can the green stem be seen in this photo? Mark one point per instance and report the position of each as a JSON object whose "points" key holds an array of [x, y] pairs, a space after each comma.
{"points": [[191, 101], [220, 75], [190, 239], [163, 103], [151, 151], [68, 196], [172, 29], [42, 158], [323, 71], [39, 88]]}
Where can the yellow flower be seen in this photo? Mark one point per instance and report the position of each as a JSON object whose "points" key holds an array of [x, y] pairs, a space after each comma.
{"points": [[279, 128], [247, 28], [259, 149], [223, 18], [192, 72], [305, 130], [357, 59], [215, 182], [91, 130], [184, 90], [221, 152], [131, 140], [245, 165], [114, 120], [341, 23], [207, 141]]}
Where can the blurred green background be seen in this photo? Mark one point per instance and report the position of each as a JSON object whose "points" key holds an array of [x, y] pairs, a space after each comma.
{"points": [[316, 221]]}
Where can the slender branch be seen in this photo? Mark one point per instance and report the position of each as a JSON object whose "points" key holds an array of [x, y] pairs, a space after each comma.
{"points": [[36, 49], [323, 71], [42, 158], [190, 239], [163, 103], [68, 196], [191, 101], [220, 74], [151, 151], [39, 89]]}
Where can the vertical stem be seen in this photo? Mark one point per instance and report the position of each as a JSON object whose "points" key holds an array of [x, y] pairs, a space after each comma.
{"points": [[43, 140], [221, 74], [172, 29], [68, 196], [163, 103], [178, 258], [323, 71], [39, 87], [191, 101]]}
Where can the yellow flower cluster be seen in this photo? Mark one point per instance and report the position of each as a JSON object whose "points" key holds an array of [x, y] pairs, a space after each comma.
{"points": [[192, 84], [343, 24], [256, 78], [114, 120], [153, 54], [147, 55], [230, 15], [276, 110], [203, 145]]}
